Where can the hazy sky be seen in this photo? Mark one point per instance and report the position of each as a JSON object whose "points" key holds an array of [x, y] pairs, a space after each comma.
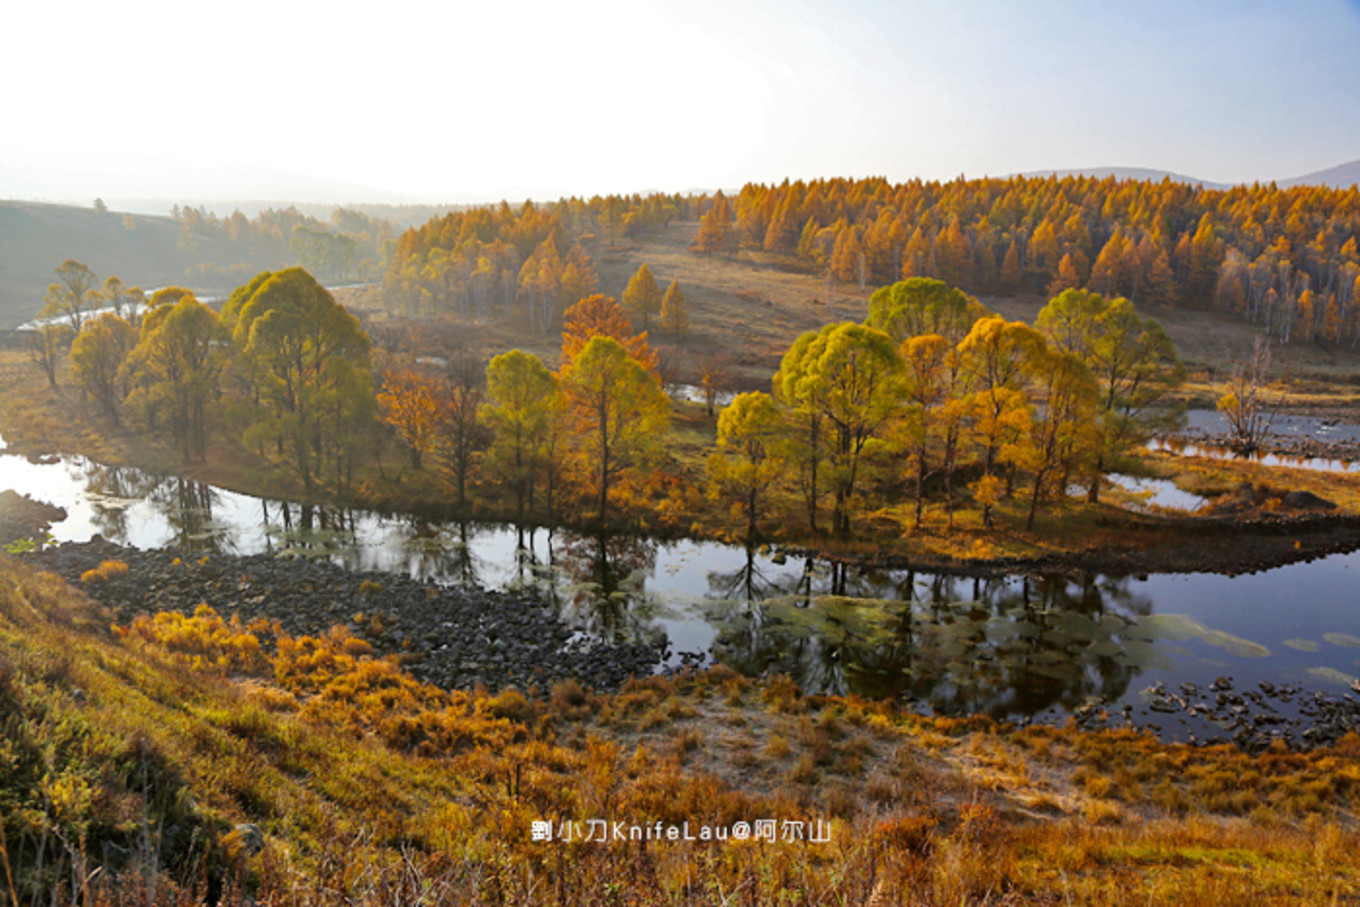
{"points": [[448, 99]]}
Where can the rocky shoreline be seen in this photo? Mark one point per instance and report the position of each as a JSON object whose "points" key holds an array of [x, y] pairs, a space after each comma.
{"points": [[21, 517], [1252, 719], [1345, 450], [451, 637], [1230, 544]]}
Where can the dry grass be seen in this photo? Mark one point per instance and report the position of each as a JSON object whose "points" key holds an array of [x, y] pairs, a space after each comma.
{"points": [[158, 742]]}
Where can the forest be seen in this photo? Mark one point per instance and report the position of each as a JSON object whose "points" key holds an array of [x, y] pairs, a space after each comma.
{"points": [[1284, 259], [931, 400]]}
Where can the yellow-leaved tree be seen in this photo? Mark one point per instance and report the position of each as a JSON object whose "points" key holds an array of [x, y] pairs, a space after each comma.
{"points": [[410, 403], [522, 402], [616, 411], [642, 297], [174, 369], [97, 355], [748, 459]]}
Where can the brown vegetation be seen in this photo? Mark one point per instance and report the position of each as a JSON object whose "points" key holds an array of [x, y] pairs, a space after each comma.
{"points": [[193, 758]]}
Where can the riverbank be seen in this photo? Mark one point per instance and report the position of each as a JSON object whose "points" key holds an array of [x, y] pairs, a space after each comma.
{"points": [[453, 637], [460, 638], [1070, 535], [179, 759], [21, 517]]}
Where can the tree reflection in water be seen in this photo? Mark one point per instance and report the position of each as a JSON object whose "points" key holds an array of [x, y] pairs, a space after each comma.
{"points": [[113, 490], [962, 645], [603, 579], [312, 530], [187, 506]]}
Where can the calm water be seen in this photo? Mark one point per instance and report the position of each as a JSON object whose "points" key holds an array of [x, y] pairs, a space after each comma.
{"points": [[1296, 426], [1018, 646]]}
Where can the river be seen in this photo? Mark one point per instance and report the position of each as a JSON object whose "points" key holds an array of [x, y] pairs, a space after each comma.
{"points": [[1021, 647]]}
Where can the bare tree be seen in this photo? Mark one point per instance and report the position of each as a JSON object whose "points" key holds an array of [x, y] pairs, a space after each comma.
{"points": [[1244, 404], [671, 364], [715, 378]]}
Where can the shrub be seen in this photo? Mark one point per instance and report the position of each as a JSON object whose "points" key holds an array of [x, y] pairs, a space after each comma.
{"points": [[106, 571]]}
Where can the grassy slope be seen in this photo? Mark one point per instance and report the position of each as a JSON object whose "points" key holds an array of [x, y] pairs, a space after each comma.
{"points": [[148, 747], [753, 305], [35, 238]]}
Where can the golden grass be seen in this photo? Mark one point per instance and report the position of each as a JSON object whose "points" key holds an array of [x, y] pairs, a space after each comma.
{"points": [[360, 779]]}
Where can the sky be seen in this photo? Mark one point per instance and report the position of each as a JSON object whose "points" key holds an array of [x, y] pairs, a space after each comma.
{"points": [[447, 101]]}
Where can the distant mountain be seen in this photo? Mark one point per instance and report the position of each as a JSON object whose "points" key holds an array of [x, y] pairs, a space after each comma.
{"points": [[148, 185], [143, 251], [1342, 176], [1128, 173]]}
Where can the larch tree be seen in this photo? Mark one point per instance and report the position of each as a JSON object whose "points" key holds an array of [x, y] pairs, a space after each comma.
{"points": [[1132, 360], [409, 403], [290, 329], [716, 233], [674, 310], [97, 355], [617, 411], [747, 460], [174, 369], [1067, 278], [601, 316], [521, 395], [642, 297]]}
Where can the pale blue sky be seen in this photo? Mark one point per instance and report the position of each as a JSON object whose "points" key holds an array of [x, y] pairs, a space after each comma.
{"points": [[453, 99]]}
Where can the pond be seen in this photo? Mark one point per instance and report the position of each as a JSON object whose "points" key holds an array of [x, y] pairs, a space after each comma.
{"points": [[1213, 423], [1036, 646]]}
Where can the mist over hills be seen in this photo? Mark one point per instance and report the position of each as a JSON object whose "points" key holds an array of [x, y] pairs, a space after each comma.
{"points": [[1126, 173], [146, 248], [144, 184], [1342, 176], [142, 250]]}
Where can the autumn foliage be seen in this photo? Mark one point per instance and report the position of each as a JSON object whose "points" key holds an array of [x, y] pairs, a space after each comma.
{"points": [[1285, 259]]}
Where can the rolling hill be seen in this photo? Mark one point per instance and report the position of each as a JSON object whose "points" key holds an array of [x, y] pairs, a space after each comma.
{"points": [[142, 250], [1341, 176]]}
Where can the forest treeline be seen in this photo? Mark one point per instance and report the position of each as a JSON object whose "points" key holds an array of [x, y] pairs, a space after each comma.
{"points": [[932, 401], [522, 264], [352, 245], [1285, 259]]}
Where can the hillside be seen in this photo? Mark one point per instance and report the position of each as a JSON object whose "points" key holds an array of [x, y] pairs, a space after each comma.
{"points": [[747, 308], [190, 760], [142, 250], [1340, 177], [1127, 173]]}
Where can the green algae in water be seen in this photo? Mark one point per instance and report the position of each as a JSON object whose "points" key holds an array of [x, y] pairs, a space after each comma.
{"points": [[1344, 640], [872, 621], [1331, 675], [1183, 626], [1302, 645]]}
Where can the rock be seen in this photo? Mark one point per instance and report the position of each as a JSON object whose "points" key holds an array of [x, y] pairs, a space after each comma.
{"points": [[248, 837], [463, 635], [1306, 500]]}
